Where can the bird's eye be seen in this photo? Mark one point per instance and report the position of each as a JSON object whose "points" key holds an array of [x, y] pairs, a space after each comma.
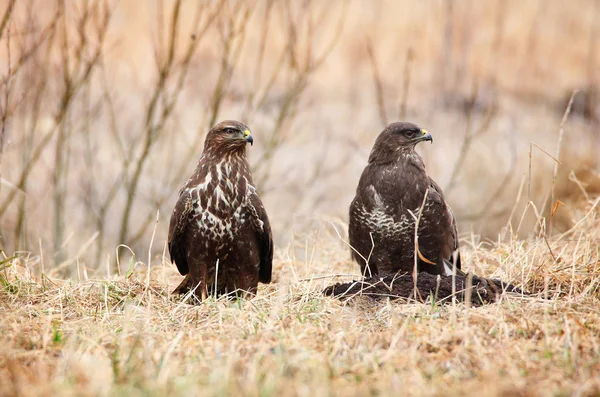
{"points": [[229, 131], [409, 134]]}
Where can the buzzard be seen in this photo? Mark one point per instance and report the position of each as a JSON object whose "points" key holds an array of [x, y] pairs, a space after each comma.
{"points": [[219, 234], [388, 203]]}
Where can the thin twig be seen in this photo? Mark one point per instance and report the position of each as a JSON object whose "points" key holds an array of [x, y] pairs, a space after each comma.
{"points": [[378, 84], [416, 243], [558, 151], [410, 55]]}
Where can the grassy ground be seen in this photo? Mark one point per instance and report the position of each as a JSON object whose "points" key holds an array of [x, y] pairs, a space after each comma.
{"points": [[127, 335], [89, 162]]}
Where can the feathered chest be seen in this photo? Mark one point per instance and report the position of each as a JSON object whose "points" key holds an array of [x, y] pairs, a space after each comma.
{"points": [[386, 222], [219, 197], [390, 195]]}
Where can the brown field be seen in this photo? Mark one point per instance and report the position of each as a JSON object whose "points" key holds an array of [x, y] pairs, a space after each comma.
{"points": [[103, 110]]}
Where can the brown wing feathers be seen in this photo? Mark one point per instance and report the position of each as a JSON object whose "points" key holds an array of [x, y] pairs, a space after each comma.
{"points": [[177, 229], [263, 229]]}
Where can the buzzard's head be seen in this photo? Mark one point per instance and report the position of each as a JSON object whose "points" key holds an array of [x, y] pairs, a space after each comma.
{"points": [[397, 139], [228, 137]]}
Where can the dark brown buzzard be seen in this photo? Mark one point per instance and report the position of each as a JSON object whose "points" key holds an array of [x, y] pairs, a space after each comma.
{"points": [[387, 202], [219, 236]]}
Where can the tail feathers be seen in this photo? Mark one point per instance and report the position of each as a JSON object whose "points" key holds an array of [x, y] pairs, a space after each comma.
{"points": [[453, 264], [184, 287]]}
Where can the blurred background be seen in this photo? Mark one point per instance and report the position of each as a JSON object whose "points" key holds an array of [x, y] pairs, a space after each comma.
{"points": [[105, 105]]}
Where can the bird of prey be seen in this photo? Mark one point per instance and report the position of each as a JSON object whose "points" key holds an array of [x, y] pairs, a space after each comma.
{"points": [[387, 205], [219, 234]]}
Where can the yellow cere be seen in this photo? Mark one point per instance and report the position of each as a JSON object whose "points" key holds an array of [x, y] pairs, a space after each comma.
{"points": [[424, 132], [246, 133]]}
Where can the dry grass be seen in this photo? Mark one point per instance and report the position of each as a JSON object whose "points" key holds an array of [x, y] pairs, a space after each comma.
{"points": [[103, 109], [127, 336]]}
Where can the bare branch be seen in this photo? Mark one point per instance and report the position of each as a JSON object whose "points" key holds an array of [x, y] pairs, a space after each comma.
{"points": [[558, 150], [378, 84], [469, 136], [156, 118]]}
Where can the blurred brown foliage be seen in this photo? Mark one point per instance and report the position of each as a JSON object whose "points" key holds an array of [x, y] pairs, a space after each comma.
{"points": [[104, 106]]}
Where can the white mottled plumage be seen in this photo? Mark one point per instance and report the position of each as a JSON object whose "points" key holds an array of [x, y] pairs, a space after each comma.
{"points": [[219, 218], [237, 202]]}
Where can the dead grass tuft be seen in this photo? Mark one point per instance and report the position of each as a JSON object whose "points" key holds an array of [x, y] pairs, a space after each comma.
{"points": [[128, 335]]}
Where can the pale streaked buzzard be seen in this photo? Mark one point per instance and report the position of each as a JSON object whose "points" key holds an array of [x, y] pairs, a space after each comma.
{"points": [[219, 232]]}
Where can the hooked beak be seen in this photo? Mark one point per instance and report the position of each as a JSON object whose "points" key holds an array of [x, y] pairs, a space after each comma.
{"points": [[248, 137], [425, 136]]}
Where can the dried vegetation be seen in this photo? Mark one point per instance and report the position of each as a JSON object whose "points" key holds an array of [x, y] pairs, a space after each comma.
{"points": [[103, 110]]}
